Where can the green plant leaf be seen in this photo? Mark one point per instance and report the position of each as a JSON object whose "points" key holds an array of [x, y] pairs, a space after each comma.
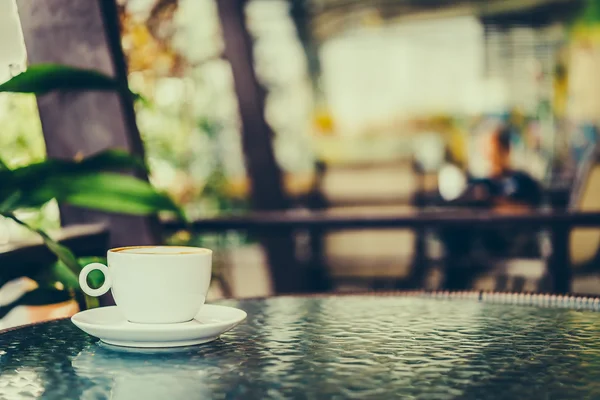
{"points": [[36, 183], [108, 160], [113, 159], [59, 272], [11, 202], [114, 193], [3, 165], [109, 192], [141, 99], [43, 78], [66, 257], [590, 14]]}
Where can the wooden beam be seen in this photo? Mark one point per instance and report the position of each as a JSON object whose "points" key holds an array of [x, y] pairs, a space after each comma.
{"points": [[264, 173], [85, 34], [413, 219]]}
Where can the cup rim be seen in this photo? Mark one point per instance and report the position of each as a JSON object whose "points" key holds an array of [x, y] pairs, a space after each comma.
{"points": [[185, 250]]}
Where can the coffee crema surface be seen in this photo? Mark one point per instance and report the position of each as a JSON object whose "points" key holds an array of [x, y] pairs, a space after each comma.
{"points": [[158, 250]]}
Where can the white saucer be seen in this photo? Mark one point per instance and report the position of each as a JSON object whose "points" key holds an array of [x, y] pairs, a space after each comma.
{"points": [[110, 326]]}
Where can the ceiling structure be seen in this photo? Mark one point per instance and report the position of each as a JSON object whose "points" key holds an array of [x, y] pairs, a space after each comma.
{"points": [[329, 17]]}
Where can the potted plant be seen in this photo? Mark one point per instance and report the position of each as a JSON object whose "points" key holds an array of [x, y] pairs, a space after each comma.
{"points": [[94, 182]]}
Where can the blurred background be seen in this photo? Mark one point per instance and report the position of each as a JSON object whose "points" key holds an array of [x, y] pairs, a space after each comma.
{"points": [[375, 106]]}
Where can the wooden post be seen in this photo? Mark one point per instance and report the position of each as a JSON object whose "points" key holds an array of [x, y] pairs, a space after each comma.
{"points": [[300, 16], [85, 34], [263, 171], [560, 263]]}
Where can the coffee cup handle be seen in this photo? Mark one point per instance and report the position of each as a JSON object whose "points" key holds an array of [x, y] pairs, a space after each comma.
{"points": [[83, 279]]}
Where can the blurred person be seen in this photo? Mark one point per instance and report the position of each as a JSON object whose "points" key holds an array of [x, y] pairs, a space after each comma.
{"points": [[503, 190]]}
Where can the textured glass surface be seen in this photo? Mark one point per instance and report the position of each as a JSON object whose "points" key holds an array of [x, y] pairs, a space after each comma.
{"points": [[332, 347]]}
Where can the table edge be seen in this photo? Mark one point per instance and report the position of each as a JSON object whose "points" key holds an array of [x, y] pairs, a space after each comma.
{"points": [[585, 302]]}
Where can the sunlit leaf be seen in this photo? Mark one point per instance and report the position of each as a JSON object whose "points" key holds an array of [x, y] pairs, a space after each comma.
{"points": [[114, 193], [37, 183], [58, 272], [108, 160], [43, 78], [109, 192]]}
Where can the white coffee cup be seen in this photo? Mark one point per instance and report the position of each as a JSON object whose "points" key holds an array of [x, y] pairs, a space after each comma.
{"points": [[154, 284]]}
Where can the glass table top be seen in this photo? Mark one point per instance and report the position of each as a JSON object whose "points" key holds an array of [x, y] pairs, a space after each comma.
{"points": [[421, 347]]}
